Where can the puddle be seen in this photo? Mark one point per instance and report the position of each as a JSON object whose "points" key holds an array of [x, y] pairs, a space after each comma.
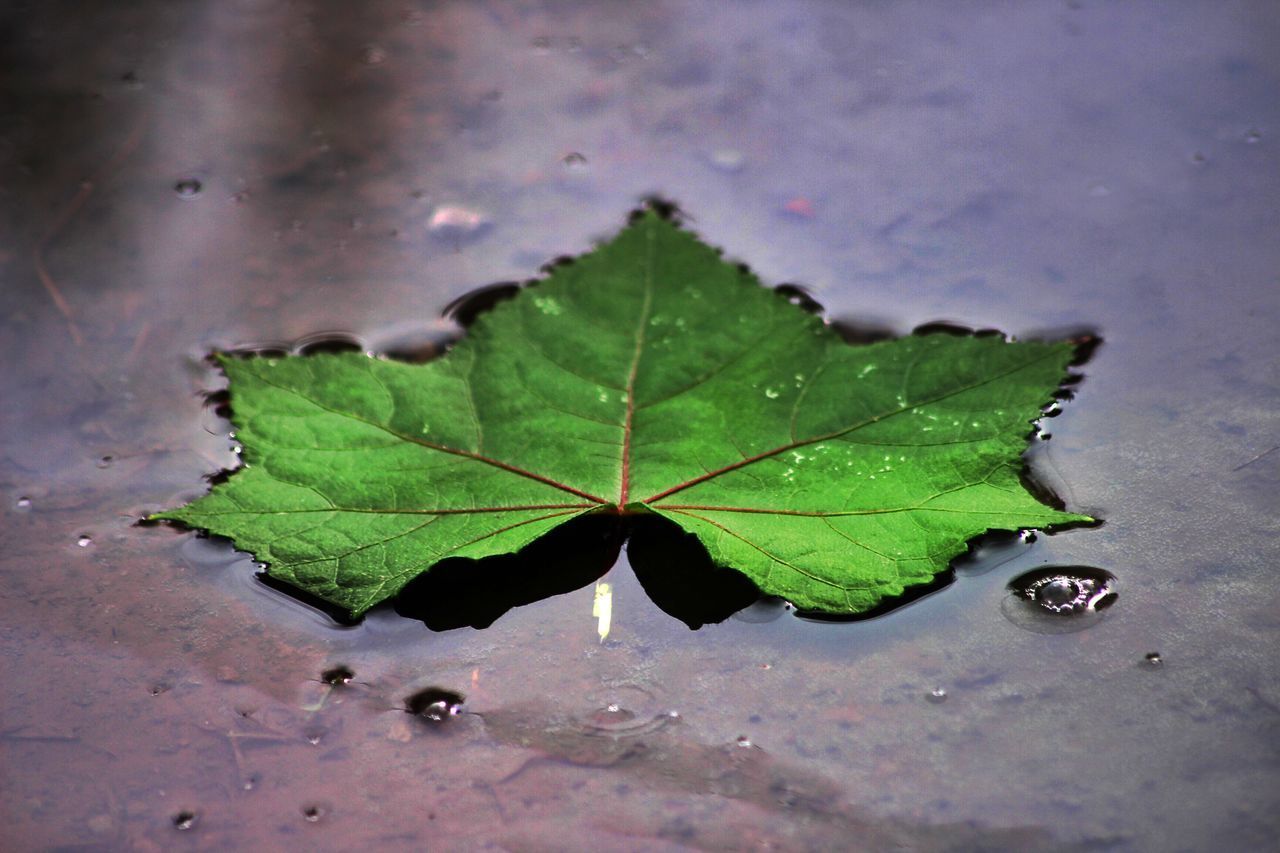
{"points": [[1020, 172]]}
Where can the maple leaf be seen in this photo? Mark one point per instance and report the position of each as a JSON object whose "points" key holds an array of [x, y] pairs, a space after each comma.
{"points": [[648, 376]]}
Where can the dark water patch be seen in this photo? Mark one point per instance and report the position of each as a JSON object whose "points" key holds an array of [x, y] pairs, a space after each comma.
{"points": [[218, 402], [434, 705], [460, 592], [339, 617], [664, 208], [768, 608], [677, 574], [217, 478], [338, 676], [188, 188], [861, 331], [1059, 599], [327, 343], [466, 308], [417, 347], [1034, 482], [910, 595], [991, 550], [314, 812], [799, 296], [556, 263], [944, 327]]}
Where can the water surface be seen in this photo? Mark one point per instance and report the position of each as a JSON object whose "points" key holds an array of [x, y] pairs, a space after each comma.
{"points": [[180, 177]]}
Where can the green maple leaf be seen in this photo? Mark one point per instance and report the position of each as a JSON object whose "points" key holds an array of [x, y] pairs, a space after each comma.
{"points": [[649, 376]]}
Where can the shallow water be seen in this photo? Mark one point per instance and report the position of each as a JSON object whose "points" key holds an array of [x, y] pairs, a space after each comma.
{"points": [[179, 177]]}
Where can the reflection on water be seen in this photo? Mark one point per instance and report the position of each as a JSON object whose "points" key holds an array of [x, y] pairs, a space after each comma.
{"points": [[179, 178]]}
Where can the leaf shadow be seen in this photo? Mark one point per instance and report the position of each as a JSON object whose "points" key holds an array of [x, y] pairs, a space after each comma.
{"points": [[461, 592], [679, 576]]}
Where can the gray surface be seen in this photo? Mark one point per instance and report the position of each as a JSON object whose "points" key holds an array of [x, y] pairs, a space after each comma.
{"points": [[1022, 166]]}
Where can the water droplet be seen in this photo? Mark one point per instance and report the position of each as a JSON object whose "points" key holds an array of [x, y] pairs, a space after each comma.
{"points": [[188, 188], [105, 462], [1153, 659], [337, 676], [84, 541], [434, 704], [184, 820], [23, 502], [548, 305], [937, 695], [1059, 599], [313, 813], [771, 393], [574, 162]]}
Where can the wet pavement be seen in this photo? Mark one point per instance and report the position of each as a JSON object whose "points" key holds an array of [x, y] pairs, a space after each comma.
{"points": [[180, 177]]}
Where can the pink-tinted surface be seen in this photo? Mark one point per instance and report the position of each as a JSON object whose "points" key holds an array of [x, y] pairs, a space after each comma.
{"points": [[1022, 166]]}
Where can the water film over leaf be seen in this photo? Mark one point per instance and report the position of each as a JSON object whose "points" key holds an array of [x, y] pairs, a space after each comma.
{"points": [[648, 376]]}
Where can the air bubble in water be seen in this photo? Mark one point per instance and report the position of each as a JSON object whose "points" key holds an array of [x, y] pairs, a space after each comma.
{"points": [[184, 820], [574, 162], [744, 742], [937, 695], [337, 676], [84, 541], [23, 502], [105, 461], [1153, 659], [188, 188], [434, 704]]}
